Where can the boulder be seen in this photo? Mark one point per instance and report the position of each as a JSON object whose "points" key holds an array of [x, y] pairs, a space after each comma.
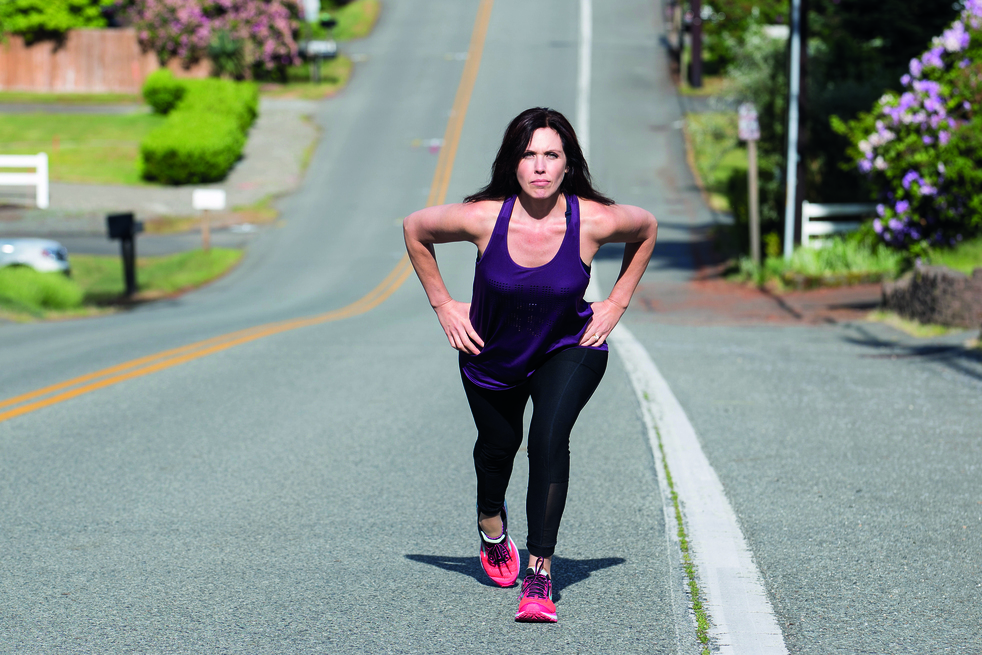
{"points": [[937, 294]]}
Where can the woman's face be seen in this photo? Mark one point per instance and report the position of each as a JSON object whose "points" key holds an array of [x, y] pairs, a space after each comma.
{"points": [[543, 166]]}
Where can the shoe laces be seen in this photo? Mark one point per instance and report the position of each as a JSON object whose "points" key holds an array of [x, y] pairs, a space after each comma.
{"points": [[536, 584], [498, 553]]}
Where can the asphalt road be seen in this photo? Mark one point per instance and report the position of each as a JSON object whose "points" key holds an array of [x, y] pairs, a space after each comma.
{"points": [[311, 491]]}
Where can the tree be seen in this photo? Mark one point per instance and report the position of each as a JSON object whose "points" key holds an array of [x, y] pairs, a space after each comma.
{"points": [[41, 19]]}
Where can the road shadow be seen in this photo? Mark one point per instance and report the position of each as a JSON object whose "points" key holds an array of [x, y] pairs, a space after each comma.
{"points": [[569, 571], [954, 357]]}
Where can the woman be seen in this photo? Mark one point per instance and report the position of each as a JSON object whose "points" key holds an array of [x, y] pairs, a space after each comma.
{"points": [[527, 332]]}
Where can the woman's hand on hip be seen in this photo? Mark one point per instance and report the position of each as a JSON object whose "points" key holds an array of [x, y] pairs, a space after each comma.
{"points": [[605, 317], [456, 321]]}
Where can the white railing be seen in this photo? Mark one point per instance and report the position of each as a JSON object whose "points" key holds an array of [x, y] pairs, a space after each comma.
{"points": [[37, 179], [810, 228]]}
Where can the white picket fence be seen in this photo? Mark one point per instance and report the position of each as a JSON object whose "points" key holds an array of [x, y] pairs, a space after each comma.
{"points": [[811, 228], [37, 179]]}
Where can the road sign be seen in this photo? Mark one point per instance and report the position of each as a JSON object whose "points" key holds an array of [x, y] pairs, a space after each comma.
{"points": [[323, 49], [208, 199], [749, 127]]}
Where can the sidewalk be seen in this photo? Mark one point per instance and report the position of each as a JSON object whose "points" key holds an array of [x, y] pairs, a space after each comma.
{"points": [[272, 165]]}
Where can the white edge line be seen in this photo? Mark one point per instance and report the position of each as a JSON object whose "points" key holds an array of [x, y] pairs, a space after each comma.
{"points": [[742, 620]]}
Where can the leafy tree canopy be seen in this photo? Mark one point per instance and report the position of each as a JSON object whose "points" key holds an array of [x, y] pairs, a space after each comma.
{"points": [[38, 19]]}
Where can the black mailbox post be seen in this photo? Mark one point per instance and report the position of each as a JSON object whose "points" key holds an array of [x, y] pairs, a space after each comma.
{"points": [[125, 228]]}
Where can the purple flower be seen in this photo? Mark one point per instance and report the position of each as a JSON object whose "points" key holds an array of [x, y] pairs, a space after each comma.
{"points": [[878, 225], [964, 63], [901, 206], [910, 178], [932, 58], [915, 67], [927, 140], [943, 138], [955, 39], [881, 210], [907, 101], [928, 190], [967, 106], [865, 165], [905, 80], [941, 168], [895, 225]]}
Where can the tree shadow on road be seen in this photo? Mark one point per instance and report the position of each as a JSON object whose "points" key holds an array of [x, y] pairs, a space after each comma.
{"points": [[955, 357], [568, 571]]}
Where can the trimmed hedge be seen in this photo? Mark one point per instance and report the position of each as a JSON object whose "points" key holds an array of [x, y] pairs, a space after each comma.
{"points": [[163, 91], [205, 131]]}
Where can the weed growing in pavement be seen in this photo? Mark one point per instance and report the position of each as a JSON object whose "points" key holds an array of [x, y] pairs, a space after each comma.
{"points": [[702, 621]]}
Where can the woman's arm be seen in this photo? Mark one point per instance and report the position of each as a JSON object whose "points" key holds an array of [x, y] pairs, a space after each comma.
{"points": [[445, 224], [638, 230]]}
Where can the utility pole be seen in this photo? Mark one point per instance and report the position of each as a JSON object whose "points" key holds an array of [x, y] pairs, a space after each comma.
{"points": [[791, 185], [695, 62], [803, 135]]}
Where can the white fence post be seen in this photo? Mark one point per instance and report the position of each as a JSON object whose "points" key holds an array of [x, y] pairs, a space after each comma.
{"points": [[41, 194]]}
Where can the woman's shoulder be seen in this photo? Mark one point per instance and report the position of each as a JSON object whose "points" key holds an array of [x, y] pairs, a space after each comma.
{"points": [[602, 220]]}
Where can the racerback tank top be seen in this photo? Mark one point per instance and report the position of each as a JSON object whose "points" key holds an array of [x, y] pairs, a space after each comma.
{"points": [[524, 315]]}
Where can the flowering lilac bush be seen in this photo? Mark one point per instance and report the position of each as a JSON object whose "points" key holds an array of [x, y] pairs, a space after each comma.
{"points": [[266, 29], [922, 149]]}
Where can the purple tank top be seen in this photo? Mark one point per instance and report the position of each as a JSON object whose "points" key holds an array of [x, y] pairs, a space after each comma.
{"points": [[524, 315]]}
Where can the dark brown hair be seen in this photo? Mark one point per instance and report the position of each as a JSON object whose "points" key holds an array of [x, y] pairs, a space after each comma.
{"points": [[518, 135]]}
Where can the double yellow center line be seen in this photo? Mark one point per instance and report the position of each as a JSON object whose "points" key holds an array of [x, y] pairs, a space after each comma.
{"points": [[51, 395]]}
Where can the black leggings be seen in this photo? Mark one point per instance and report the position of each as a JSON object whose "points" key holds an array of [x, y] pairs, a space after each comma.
{"points": [[559, 389]]}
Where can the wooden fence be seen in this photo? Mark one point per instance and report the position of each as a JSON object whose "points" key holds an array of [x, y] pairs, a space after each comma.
{"points": [[85, 61]]}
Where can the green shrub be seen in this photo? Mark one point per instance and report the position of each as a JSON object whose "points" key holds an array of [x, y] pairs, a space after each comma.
{"points": [[163, 91], [856, 258], [240, 100], [24, 288], [192, 147], [204, 133]]}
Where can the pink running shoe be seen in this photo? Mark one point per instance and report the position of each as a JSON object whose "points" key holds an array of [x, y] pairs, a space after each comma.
{"points": [[535, 602], [499, 556]]}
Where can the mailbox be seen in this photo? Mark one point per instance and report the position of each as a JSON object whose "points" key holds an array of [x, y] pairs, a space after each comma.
{"points": [[123, 226]]}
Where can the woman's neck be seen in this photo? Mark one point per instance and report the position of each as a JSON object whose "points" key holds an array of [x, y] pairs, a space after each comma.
{"points": [[540, 208]]}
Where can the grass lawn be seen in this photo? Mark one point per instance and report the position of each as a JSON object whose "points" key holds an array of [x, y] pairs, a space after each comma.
{"points": [[965, 257], [25, 97], [355, 19], [96, 285], [101, 277], [334, 76], [716, 151], [91, 148]]}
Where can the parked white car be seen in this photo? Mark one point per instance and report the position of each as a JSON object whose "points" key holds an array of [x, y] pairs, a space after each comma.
{"points": [[42, 255]]}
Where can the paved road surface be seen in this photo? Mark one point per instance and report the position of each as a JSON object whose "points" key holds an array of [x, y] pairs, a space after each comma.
{"points": [[308, 491]]}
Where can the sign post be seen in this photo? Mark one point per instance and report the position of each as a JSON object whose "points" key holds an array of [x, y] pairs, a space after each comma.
{"points": [[206, 200], [750, 132]]}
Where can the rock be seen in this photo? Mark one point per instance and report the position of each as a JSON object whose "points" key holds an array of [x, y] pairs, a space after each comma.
{"points": [[937, 294]]}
